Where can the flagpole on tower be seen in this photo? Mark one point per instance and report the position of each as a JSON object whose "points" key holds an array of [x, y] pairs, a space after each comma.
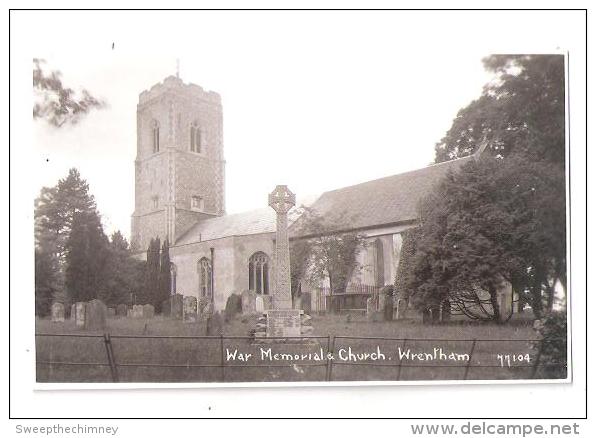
{"points": [[177, 67]]}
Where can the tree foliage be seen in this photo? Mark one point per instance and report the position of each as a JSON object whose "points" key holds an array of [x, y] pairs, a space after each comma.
{"points": [[87, 258], [502, 217], [56, 103], [487, 223], [326, 255], [522, 110], [74, 260], [165, 276]]}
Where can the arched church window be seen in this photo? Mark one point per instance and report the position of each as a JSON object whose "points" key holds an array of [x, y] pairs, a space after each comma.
{"points": [[258, 273], [155, 136], [173, 273], [195, 138], [204, 277]]}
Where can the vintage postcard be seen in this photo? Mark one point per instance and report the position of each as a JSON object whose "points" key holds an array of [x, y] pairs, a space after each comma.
{"points": [[327, 212]]}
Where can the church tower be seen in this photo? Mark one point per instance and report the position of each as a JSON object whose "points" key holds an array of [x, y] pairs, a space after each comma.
{"points": [[179, 168]]}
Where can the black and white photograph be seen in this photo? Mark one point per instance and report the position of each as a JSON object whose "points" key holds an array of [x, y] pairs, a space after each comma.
{"points": [[308, 198]]}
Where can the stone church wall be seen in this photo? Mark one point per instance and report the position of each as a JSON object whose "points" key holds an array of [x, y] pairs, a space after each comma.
{"points": [[230, 269]]}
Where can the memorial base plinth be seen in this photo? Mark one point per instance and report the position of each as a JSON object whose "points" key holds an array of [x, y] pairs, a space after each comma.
{"points": [[287, 326]]}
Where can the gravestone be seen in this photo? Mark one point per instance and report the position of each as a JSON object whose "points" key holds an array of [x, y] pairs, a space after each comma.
{"points": [[189, 311], [148, 311], [80, 314], [249, 305], [387, 306], [297, 302], [166, 307], [177, 306], [207, 310], [401, 308], [121, 310], [73, 312], [57, 312], [137, 311], [282, 319], [266, 301], [259, 304], [95, 315], [371, 306], [215, 325], [233, 306], [505, 297], [306, 302], [111, 312], [445, 311]]}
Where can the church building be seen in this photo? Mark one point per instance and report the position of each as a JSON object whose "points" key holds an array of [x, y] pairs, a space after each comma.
{"points": [[180, 196]]}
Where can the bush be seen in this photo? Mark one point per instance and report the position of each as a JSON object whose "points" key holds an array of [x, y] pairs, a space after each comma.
{"points": [[552, 346]]}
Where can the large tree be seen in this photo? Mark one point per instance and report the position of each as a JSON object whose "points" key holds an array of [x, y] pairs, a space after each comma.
{"points": [[87, 257], [485, 224], [124, 274], [55, 210], [325, 254], [522, 110]]}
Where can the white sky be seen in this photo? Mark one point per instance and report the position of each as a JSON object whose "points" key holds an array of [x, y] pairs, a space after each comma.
{"points": [[314, 100]]}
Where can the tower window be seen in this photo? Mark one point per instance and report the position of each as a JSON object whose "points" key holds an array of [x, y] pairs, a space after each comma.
{"points": [[155, 136], [197, 203], [155, 201], [195, 138]]}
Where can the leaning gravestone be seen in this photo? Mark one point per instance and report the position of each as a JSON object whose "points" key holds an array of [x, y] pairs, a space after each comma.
{"points": [[80, 308], [95, 315], [249, 305], [148, 311], [189, 312], [57, 312], [121, 310]]}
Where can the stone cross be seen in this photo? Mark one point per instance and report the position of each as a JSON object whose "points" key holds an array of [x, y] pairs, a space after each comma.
{"points": [[282, 200]]}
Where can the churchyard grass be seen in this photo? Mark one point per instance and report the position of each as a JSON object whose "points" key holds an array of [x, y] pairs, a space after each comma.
{"points": [[134, 354]]}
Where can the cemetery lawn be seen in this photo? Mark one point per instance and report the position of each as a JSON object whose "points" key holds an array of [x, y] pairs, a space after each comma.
{"points": [[155, 358]]}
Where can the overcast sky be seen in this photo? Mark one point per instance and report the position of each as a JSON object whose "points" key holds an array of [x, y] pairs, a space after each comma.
{"points": [[316, 101]]}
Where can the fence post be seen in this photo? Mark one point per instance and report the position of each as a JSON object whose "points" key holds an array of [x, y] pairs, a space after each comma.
{"points": [[538, 355], [471, 353], [330, 349], [403, 345], [223, 362], [110, 353]]}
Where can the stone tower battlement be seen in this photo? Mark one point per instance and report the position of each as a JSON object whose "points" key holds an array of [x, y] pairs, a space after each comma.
{"points": [[180, 166], [173, 84]]}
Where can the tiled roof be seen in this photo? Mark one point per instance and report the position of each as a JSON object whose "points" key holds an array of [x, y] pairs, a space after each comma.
{"points": [[238, 224], [384, 201], [388, 200]]}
